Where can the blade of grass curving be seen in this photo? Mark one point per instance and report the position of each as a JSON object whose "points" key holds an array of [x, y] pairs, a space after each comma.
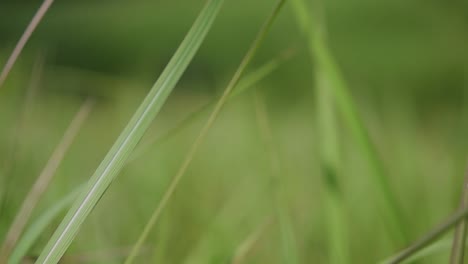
{"points": [[24, 39], [203, 132], [249, 243], [43, 180], [37, 228], [459, 238], [288, 238], [19, 130], [245, 84], [428, 238], [319, 51], [128, 139]]}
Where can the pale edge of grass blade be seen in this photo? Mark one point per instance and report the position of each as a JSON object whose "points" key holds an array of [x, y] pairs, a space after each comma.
{"points": [[19, 129], [428, 238], [245, 84], [459, 238], [203, 132], [43, 180], [246, 246], [33, 232], [390, 209], [128, 139], [288, 239], [24, 39]]}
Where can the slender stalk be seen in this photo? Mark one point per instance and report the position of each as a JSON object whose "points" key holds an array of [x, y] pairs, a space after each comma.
{"points": [[330, 159], [390, 208], [204, 131], [459, 238], [43, 181], [24, 39], [428, 238], [130, 136]]}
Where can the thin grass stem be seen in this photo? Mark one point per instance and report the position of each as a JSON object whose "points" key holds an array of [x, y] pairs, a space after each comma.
{"points": [[428, 238], [204, 131], [24, 39]]}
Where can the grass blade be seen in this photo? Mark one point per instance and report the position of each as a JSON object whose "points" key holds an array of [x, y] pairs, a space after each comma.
{"points": [[345, 103], [31, 234], [24, 39], [201, 136], [43, 180], [459, 238], [128, 139], [329, 152]]}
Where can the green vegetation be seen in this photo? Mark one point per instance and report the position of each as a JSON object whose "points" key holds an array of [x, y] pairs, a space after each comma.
{"points": [[340, 137]]}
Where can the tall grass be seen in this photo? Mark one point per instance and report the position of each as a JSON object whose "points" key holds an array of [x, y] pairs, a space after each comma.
{"points": [[128, 139], [206, 127]]}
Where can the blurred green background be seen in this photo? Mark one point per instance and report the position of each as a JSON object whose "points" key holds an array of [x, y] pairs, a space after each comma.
{"points": [[406, 65]]}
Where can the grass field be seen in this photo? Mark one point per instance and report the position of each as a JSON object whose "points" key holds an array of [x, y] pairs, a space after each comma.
{"points": [[345, 143]]}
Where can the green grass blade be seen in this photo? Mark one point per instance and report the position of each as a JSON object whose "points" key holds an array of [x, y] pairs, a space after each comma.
{"points": [[204, 131], [31, 234], [244, 85], [329, 151], [24, 39], [345, 103], [128, 139], [336, 220]]}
